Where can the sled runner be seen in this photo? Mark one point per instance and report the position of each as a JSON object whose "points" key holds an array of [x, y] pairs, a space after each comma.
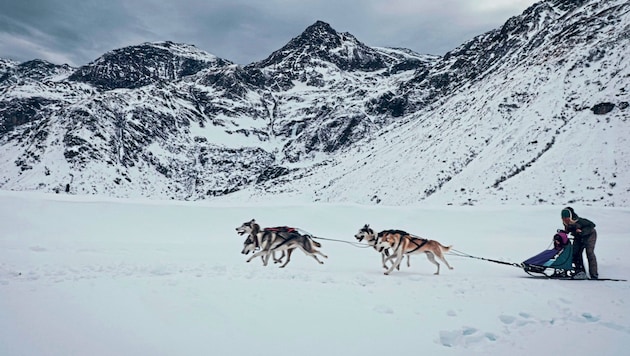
{"points": [[555, 262]]}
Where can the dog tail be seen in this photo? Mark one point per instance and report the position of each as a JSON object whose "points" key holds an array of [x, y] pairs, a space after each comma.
{"points": [[309, 243], [445, 248]]}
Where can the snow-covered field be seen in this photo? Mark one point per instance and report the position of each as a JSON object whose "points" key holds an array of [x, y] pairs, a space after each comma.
{"points": [[96, 276]]}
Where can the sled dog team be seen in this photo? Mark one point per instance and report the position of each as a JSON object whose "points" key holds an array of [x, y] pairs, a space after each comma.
{"points": [[268, 241], [393, 245]]}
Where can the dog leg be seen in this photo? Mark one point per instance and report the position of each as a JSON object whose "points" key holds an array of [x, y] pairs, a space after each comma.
{"points": [[386, 257], [441, 257], [257, 254], [394, 256], [315, 252], [389, 258], [396, 263], [288, 257], [321, 254], [278, 260], [431, 259], [312, 254], [398, 267], [267, 258]]}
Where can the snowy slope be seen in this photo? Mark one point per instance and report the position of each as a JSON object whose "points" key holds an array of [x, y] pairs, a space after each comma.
{"points": [[525, 134], [83, 275]]}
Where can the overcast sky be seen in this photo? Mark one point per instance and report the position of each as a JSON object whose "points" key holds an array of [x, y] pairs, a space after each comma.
{"points": [[243, 31]]}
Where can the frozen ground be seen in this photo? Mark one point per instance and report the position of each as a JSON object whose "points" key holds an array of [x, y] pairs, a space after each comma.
{"points": [[89, 276]]}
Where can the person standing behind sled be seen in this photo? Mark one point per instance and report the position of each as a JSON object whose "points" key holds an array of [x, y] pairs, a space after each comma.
{"points": [[584, 238]]}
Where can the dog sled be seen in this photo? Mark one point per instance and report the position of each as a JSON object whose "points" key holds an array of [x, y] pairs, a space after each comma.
{"points": [[555, 262]]}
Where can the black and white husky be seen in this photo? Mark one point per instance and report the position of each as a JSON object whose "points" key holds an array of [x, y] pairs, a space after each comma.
{"points": [[268, 241]]}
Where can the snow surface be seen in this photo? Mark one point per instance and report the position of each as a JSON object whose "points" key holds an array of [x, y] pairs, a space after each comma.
{"points": [[86, 275]]}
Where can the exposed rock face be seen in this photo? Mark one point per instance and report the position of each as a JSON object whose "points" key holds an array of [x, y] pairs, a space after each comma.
{"points": [[602, 108], [137, 66]]}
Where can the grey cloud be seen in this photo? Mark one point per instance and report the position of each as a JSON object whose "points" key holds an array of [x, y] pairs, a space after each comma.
{"points": [[243, 31]]}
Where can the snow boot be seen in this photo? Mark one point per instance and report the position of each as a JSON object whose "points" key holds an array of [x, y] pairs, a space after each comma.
{"points": [[580, 275]]}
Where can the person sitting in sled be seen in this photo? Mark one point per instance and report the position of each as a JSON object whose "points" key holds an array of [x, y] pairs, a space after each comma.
{"points": [[584, 238], [560, 239], [547, 257]]}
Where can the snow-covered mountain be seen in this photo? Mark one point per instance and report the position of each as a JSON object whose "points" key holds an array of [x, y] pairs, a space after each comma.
{"points": [[149, 63], [534, 112]]}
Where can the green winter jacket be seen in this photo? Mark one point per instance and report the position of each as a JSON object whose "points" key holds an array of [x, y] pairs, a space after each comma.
{"points": [[585, 225]]}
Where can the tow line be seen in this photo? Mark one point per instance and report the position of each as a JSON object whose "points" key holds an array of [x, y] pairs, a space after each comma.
{"points": [[463, 254]]}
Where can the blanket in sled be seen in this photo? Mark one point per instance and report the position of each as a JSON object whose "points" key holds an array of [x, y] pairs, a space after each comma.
{"points": [[555, 262]]}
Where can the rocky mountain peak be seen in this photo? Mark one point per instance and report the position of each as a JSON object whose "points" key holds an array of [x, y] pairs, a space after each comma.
{"points": [[320, 33], [519, 39], [567, 5], [137, 66], [321, 43], [6, 65], [34, 70]]}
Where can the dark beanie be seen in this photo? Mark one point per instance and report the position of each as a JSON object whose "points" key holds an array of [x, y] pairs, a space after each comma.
{"points": [[568, 212]]}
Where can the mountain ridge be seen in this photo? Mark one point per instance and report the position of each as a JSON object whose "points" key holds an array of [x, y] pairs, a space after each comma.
{"points": [[184, 124]]}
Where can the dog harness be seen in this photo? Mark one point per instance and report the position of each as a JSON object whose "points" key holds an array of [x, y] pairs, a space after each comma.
{"points": [[418, 245], [287, 229], [280, 229]]}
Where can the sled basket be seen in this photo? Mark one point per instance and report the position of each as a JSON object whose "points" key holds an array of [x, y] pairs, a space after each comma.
{"points": [[555, 262]]}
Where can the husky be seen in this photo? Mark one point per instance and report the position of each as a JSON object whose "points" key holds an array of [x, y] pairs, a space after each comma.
{"points": [[250, 246], [255, 236], [403, 243], [280, 239], [372, 239]]}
